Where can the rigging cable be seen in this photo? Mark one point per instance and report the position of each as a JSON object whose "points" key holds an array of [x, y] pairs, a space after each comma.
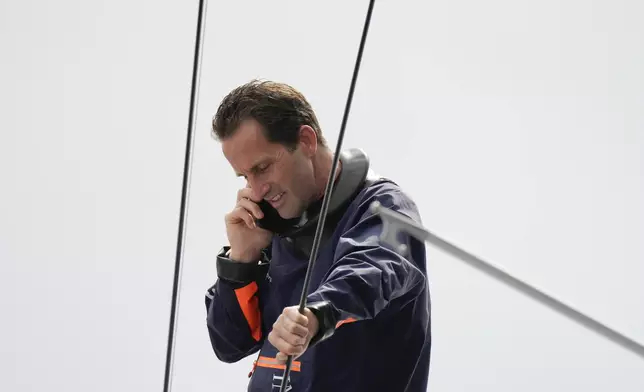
{"points": [[329, 186], [187, 166]]}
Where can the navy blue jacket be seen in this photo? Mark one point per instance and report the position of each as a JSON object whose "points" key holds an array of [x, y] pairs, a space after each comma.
{"points": [[379, 300]]}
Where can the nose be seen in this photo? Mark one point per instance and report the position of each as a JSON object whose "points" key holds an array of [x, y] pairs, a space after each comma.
{"points": [[259, 189]]}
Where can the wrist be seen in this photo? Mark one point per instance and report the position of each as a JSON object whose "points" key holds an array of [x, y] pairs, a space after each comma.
{"points": [[244, 257], [313, 325]]}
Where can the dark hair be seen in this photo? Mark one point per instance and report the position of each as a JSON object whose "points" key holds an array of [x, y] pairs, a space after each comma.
{"points": [[279, 108]]}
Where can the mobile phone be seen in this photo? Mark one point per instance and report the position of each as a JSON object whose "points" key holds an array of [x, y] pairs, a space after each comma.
{"points": [[272, 221]]}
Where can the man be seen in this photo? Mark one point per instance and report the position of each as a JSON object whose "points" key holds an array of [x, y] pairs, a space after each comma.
{"points": [[366, 326]]}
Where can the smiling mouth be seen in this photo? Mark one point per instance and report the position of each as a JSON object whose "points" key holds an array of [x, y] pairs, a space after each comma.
{"points": [[276, 199]]}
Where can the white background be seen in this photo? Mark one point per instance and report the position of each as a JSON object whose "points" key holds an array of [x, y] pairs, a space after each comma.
{"points": [[517, 127]]}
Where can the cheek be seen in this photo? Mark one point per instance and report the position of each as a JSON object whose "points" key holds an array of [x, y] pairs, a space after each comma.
{"points": [[277, 181], [293, 177], [282, 177], [302, 181]]}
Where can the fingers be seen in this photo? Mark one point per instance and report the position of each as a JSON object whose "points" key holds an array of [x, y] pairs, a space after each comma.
{"points": [[296, 332], [245, 210], [240, 214], [290, 335], [246, 193], [251, 207], [281, 357], [295, 322], [284, 346]]}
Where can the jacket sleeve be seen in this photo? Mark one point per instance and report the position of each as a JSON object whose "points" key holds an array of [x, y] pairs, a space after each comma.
{"points": [[367, 277], [234, 319]]}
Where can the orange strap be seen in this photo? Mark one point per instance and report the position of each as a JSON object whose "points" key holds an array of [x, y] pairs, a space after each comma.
{"points": [[273, 363], [249, 304]]}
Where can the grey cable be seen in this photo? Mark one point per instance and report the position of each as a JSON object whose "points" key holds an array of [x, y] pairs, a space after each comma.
{"points": [[394, 223]]}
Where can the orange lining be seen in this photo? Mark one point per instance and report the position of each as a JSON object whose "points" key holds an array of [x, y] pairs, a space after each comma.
{"points": [[249, 305], [349, 320]]}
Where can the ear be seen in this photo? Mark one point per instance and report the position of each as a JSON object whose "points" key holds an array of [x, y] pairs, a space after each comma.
{"points": [[308, 140]]}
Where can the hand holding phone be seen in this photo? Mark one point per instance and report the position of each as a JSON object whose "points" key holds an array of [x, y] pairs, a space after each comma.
{"points": [[272, 221], [246, 239]]}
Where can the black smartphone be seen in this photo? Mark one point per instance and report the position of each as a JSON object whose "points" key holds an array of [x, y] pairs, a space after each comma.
{"points": [[272, 221]]}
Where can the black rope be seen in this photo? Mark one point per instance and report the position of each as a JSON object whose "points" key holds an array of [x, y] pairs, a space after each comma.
{"points": [[329, 186], [176, 284]]}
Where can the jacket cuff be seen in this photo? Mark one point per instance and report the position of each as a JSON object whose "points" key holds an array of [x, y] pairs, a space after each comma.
{"points": [[327, 320], [239, 273]]}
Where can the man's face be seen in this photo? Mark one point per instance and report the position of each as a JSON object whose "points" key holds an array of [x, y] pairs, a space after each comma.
{"points": [[284, 178]]}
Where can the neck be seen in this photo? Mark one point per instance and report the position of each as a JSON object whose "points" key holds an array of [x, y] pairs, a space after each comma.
{"points": [[323, 166]]}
